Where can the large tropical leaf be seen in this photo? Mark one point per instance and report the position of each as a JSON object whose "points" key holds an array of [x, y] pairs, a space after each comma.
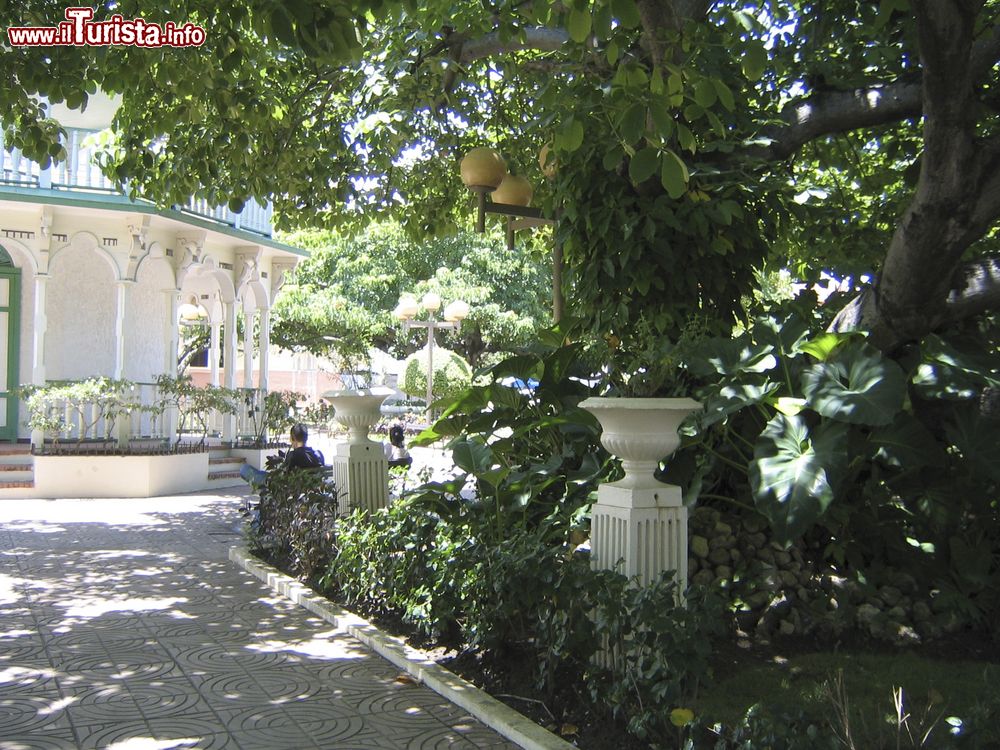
{"points": [[906, 444], [730, 356], [786, 335], [732, 398], [858, 385], [794, 472], [977, 438], [949, 372]]}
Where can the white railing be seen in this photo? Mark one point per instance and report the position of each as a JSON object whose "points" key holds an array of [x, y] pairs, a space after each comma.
{"points": [[79, 172]]}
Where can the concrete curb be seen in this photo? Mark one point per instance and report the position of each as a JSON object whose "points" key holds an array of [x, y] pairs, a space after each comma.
{"points": [[496, 715]]}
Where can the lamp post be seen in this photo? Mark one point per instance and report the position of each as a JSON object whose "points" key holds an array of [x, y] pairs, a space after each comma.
{"points": [[453, 315]]}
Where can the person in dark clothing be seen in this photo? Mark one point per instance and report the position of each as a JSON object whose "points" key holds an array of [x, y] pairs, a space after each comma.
{"points": [[301, 456], [395, 449]]}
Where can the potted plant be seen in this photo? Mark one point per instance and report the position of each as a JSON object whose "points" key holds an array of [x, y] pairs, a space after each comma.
{"points": [[642, 407]]}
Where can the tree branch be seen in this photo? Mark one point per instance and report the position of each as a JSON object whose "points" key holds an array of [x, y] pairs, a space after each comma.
{"points": [[540, 38], [838, 111]]}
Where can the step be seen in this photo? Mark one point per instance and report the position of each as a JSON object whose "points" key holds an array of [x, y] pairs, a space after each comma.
{"points": [[17, 484], [15, 449], [223, 475], [221, 460]]}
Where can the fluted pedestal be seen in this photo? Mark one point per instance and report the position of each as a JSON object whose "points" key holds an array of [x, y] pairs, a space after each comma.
{"points": [[360, 469], [361, 474]]}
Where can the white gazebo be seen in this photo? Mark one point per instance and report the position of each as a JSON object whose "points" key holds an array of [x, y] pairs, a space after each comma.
{"points": [[94, 284]]}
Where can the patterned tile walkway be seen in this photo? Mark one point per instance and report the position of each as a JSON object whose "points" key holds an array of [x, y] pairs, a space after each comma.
{"points": [[124, 626]]}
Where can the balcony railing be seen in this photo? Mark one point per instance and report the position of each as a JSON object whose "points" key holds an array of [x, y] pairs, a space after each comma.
{"points": [[79, 173]]}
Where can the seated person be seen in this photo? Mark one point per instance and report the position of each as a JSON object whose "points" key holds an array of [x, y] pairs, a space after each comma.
{"points": [[301, 456], [395, 449]]}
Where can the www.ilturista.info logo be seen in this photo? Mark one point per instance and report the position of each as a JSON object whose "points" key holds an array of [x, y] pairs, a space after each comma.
{"points": [[79, 30]]}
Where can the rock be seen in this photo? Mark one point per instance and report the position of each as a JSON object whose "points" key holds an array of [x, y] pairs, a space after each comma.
{"points": [[735, 555], [698, 546], [782, 558], [767, 555], [758, 540], [788, 579], [786, 628], [719, 556], [806, 578], [921, 612], [904, 581], [758, 599], [890, 595], [867, 614], [753, 524], [897, 614], [832, 603], [723, 573], [692, 566], [723, 529], [802, 594], [717, 542]]}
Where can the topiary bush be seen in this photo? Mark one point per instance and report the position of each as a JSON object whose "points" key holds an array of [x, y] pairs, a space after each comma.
{"points": [[452, 374]]}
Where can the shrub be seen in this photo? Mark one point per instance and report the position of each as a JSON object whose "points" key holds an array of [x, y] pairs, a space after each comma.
{"points": [[296, 521], [452, 374]]}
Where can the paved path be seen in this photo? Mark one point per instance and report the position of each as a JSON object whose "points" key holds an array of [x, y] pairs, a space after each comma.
{"points": [[123, 625]]}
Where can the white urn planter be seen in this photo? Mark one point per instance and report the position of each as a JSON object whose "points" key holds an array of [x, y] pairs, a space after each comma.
{"points": [[639, 524], [360, 469], [358, 410], [640, 431]]}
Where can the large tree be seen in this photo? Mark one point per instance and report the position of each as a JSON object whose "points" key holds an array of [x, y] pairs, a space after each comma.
{"points": [[691, 137]]}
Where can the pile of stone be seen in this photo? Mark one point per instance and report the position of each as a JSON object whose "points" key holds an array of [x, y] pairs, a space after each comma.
{"points": [[789, 591]]}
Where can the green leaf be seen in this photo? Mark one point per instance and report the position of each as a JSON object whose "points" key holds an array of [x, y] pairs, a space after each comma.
{"points": [[572, 135], [663, 121], [977, 438], [794, 472], [906, 444], [673, 174], [613, 157], [789, 405], [612, 52], [579, 25], [627, 13], [724, 94], [643, 165], [472, 457], [858, 386], [823, 345], [754, 61], [705, 93], [656, 84], [633, 122], [686, 138], [733, 398], [723, 356]]}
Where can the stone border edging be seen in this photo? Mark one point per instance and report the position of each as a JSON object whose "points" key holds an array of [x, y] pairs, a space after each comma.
{"points": [[492, 712]]}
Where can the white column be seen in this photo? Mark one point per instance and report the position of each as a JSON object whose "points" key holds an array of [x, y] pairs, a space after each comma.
{"points": [[172, 336], [38, 346], [172, 332], [248, 317], [38, 336], [229, 359], [265, 343], [121, 307], [213, 352]]}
